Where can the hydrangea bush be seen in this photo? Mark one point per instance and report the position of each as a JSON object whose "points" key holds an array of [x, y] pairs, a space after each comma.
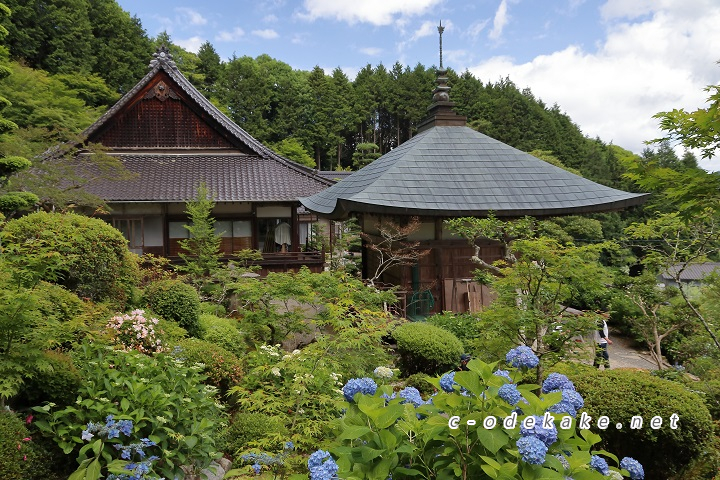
{"points": [[480, 424]]}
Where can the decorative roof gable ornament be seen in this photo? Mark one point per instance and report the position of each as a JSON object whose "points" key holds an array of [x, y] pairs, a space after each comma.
{"points": [[162, 56]]}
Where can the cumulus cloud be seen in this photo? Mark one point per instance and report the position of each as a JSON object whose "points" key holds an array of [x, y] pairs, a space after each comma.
{"points": [[371, 51], [191, 44], [267, 34], [656, 56], [230, 36], [188, 15], [376, 12]]}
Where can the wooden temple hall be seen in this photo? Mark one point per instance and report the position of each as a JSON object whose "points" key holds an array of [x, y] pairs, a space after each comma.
{"points": [[450, 170], [173, 140]]}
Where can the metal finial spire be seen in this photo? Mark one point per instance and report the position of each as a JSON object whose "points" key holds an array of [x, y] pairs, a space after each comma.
{"points": [[441, 29]]}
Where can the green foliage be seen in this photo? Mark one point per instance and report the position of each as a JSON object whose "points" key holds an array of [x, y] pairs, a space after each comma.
{"points": [[365, 154], [291, 148], [96, 262], [223, 332], [20, 457], [421, 381], [164, 398], [376, 438], [222, 368], [58, 385], [251, 430], [465, 326], [201, 252], [622, 394], [425, 348], [176, 301]]}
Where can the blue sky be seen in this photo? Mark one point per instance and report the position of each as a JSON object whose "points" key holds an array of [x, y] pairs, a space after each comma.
{"points": [[610, 64]]}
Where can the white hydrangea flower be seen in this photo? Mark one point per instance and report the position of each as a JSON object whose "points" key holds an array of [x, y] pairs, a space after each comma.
{"points": [[383, 372], [275, 371]]}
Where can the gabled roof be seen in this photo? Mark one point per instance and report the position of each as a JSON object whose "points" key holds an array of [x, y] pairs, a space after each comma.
{"points": [[258, 175], [692, 272], [454, 171]]}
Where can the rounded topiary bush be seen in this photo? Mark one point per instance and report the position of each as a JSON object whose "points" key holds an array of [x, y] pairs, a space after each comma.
{"points": [[425, 348], [177, 301], [20, 457], [223, 332], [247, 430], [622, 394], [223, 368], [95, 261]]}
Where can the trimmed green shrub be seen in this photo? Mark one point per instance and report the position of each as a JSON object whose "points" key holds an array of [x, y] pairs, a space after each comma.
{"points": [[96, 262], [465, 326], [223, 369], [420, 381], [59, 386], [175, 300], [248, 430], [211, 308], [622, 394], [20, 457], [223, 332], [425, 348]]}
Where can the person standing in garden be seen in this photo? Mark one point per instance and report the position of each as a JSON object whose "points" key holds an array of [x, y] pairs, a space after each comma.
{"points": [[602, 339]]}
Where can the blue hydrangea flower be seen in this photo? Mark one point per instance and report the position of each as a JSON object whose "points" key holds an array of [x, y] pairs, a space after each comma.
{"points": [[532, 450], [563, 460], [289, 445], [322, 466], [599, 464], [546, 435], [522, 357], [633, 467], [510, 394], [365, 385], [573, 398], [503, 373], [125, 427], [447, 381], [557, 381], [412, 395], [563, 407], [257, 468]]}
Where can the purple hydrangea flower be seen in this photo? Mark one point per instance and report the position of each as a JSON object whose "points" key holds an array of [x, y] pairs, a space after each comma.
{"points": [[522, 357], [546, 435], [557, 381], [365, 386], [532, 450], [599, 464], [633, 467], [510, 394]]}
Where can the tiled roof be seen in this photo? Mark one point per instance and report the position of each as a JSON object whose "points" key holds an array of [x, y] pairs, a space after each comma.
{"points": [[693, 272], [457, 171], [229, 178]]}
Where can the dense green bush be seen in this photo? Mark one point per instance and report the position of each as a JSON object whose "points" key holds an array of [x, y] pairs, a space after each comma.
{"points": [[96, 261], [223, 368], [175, 300], [223, 332], [622, 394], [20, 457], [426, 348], [59, 385], [249, 430], [465, 326], [420, 381]]}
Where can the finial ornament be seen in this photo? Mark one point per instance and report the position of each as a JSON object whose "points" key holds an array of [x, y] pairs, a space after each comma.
{"points": [[441, 29], [162, 55]]}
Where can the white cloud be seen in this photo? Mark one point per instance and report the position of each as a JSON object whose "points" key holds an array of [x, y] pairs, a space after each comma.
{"points": [[371, 51], [426, 29], [477, 28], [188, 15], [224, 36], [267, 34], [300, 38], [191, 44], [270, 18], [500, 20], [657, 63], [376, 12]]}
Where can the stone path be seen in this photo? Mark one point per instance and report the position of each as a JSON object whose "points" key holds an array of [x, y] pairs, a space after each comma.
{"points": [[624, 353]]}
